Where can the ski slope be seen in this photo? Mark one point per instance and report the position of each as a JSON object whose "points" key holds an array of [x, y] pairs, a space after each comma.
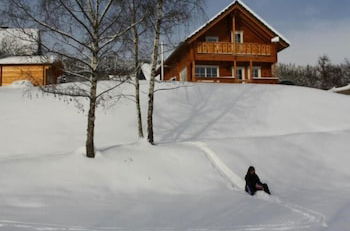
{"points": [[207, 136]]}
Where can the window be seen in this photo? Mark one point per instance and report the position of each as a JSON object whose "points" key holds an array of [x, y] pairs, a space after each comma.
{"points": [[207, 71], [212, 39], [256, 72], [239, 36]]}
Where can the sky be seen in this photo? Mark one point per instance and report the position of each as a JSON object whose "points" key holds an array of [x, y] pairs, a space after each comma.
{"points": [[314, 27]]}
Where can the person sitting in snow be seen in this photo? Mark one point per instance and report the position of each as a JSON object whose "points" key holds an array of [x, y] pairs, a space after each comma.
{"points": [[253, 183]]}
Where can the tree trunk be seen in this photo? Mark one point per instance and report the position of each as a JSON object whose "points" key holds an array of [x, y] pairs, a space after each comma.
{"points": [[137, 68], [138, 108], [90, 147], [150, 136]]}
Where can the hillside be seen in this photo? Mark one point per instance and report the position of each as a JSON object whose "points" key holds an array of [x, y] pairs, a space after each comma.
{"points": [[207, 136]]}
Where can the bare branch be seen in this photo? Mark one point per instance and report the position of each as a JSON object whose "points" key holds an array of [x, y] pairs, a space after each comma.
{"points": [[53, 29], [117, 35], [170, 88], [72, 92], [104, 12], [76, 18], [84, 12], [110, 89]]}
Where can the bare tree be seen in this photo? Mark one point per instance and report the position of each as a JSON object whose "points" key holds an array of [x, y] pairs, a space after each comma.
{"points": [[159, 17], [324, 75], [137, 10], [167, 15], [84, 32]]}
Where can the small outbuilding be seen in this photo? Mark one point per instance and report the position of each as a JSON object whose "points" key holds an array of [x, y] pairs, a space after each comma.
{"points": [[40, 70]]}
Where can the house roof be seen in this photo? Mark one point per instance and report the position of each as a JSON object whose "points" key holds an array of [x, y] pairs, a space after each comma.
{"points": [[15, 60], [146, 69], [250, 11]]}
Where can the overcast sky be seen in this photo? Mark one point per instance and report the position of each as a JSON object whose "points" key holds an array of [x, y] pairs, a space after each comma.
{"points": [[314, 27]]}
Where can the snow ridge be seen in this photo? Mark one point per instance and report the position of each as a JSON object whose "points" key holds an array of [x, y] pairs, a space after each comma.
{"points": [[235, 181]]}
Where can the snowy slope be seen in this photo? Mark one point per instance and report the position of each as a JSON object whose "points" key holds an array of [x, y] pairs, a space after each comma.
{"points": [[208, 135]]}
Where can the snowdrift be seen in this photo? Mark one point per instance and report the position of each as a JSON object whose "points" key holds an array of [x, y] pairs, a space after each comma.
{"points": [[207, 135]]}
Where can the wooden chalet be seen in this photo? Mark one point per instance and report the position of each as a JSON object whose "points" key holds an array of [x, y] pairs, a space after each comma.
{"points": [[236, 46]]}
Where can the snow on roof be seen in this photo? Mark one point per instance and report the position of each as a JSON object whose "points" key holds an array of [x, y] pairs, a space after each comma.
{"points": [[146, 69], [249, 10], [39, 59]]}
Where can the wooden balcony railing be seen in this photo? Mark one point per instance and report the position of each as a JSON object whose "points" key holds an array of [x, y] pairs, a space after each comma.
{"points": [[234, 48]]}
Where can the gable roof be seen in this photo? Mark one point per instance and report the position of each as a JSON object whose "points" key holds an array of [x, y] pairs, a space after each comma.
{"points": [[246, 8]]}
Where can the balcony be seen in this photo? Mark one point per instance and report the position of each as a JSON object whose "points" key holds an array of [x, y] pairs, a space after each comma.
{"points": [[253, 49]]}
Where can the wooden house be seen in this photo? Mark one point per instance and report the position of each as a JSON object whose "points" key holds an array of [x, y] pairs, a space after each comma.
{"points": [[236, 46], [40, 70]]}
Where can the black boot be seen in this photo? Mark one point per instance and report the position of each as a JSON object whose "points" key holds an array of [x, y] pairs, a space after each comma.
{"points": [[266, 189]]}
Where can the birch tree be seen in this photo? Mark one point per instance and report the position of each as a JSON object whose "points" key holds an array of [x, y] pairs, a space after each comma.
{"points": [[137, 10], [82, 31], [167, 15], [159, 17]]}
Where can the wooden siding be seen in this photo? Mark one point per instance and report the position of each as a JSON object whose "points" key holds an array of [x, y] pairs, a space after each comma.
{"points": [[33, 73], [38, 74]]}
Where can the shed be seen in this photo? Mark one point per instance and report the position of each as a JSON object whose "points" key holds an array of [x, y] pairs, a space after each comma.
{"points": [[40, 70]]}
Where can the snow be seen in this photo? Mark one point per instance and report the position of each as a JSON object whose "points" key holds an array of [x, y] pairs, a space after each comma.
{"points": [[275, 39], [207, 136], [146, 70], [36, 59], [21, 84], [249, 10]]}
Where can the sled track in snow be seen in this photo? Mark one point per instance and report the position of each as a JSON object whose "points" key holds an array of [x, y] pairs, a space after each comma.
{"points": [[311, 218]]}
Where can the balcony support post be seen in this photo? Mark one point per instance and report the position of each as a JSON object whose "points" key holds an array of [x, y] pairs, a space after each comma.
{"points": [[251, 70]]}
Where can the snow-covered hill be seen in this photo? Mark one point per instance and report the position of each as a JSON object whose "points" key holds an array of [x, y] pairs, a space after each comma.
{"points": [[207, 135]]}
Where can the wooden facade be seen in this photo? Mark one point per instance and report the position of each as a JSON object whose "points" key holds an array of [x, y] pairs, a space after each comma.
{"points": [[38, 74], [235, 47]]}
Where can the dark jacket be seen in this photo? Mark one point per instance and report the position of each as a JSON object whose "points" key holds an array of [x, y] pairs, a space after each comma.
{"points": [[250, 182]]}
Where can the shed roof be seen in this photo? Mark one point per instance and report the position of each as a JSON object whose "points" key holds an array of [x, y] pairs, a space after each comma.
{"points": [[26, 60]]}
